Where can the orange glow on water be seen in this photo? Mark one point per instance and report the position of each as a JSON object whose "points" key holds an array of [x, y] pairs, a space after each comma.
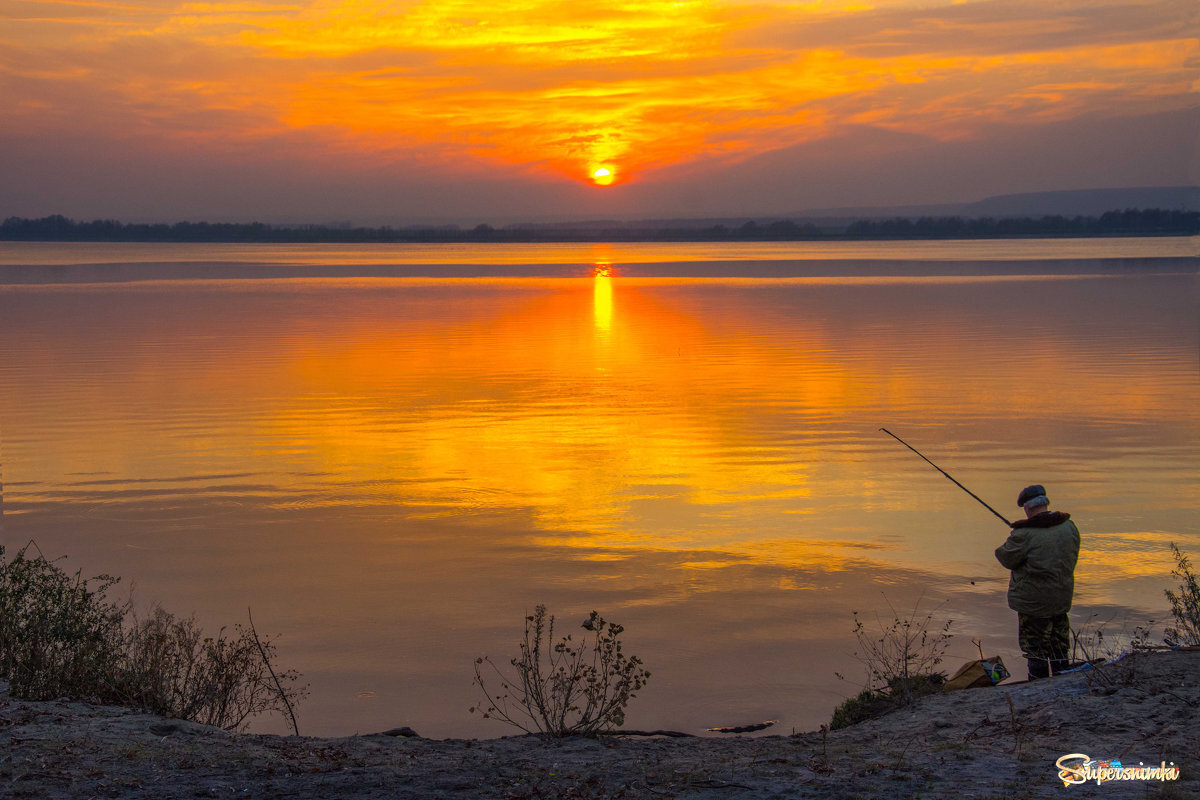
{"points": [[495, 412], [412, 454]]}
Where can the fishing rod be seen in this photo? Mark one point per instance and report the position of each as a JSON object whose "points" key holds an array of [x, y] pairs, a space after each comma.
{"points": [[947, 474]]}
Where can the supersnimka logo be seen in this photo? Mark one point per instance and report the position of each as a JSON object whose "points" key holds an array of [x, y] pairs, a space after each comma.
{"points": [[1077, 768]]}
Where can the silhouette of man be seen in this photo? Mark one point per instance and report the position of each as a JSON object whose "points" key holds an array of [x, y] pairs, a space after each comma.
{"points": [[1041, 550]]}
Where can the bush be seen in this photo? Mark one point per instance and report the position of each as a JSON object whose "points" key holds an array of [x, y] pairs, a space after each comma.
{"points": [[170, 668], [60, 636], [1185, 604], [899, 660], [904, 649], [871, 703], [58, 632], [566, 687]]}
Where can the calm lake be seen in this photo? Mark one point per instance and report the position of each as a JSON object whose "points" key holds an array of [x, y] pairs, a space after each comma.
{"points": [[393, 453]]}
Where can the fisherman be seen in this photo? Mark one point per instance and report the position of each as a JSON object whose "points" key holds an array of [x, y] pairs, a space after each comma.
{"points": [[1041, 550]]}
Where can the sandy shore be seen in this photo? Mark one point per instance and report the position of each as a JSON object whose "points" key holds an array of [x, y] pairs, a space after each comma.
{"points": [[972, 744]]}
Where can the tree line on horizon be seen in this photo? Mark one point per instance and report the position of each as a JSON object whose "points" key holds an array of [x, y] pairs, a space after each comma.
{"points": [[1128, 222]]}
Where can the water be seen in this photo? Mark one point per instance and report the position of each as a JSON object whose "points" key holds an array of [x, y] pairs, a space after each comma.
{"points": [[393, 453]]}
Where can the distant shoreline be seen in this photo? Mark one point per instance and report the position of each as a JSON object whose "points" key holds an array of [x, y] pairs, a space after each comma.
{"points": [[1112, 224]]}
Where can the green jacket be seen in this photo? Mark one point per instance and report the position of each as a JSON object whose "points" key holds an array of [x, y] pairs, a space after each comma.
{"points": [[1041, 552]]}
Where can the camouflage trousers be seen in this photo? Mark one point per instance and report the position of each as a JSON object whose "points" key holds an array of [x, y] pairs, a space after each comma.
{"points": [[1046, 643]]}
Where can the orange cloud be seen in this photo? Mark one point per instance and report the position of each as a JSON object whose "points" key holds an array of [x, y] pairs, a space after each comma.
{"points": [[533, 84]]}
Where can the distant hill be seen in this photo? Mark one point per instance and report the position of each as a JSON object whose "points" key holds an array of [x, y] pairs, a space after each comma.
{"points": [[1075, 203], [1079, 202]]}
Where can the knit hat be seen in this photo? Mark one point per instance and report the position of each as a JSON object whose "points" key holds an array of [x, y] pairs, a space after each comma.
{"points": [[1033, 495]]}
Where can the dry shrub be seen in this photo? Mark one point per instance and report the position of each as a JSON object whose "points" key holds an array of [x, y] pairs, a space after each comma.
{"points": [[171, 668], [1114, 655], [900, 651], [565, 687], [60, 636], [900, 657], [1185, 604]]}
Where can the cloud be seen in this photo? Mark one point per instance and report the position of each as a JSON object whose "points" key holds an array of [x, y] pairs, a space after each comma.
{"points": [[531, 91], [277, 180], [988, 28]]}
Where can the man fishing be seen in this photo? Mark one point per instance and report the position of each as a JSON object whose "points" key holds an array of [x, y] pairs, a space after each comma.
{"points": [[1041, 550]]}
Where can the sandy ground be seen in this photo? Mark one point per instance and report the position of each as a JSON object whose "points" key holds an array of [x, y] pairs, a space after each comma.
{"points": [[970, 744]]}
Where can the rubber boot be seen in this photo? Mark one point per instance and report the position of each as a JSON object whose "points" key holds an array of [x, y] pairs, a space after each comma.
{"points": [[1057, 665]]}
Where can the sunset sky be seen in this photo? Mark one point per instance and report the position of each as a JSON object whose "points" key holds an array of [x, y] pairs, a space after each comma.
{"points": [[419, 110]]}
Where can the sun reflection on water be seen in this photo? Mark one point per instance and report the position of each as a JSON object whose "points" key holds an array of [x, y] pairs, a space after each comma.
{"points": [[602, 297]]}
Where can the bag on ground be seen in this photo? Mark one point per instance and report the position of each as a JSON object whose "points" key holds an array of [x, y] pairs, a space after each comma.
{"points": [[981, 672]]}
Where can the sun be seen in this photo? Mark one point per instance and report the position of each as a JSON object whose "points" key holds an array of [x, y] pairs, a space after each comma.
{"points": [[603, 176]]}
